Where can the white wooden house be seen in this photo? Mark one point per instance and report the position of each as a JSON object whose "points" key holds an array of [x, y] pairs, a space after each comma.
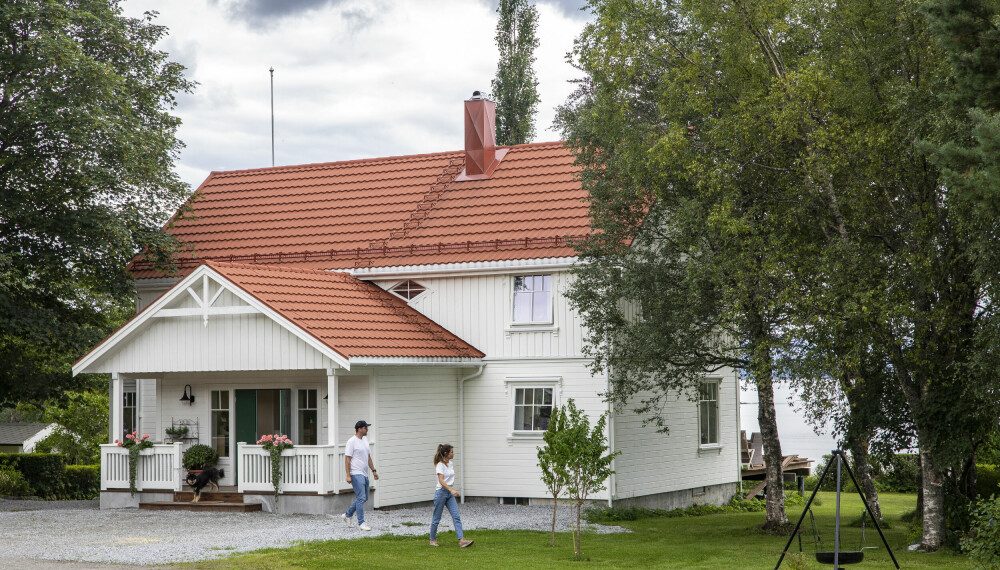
{"points": [[420, 293]]}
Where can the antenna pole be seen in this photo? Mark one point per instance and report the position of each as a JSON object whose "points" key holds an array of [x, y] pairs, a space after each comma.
{"points": [[272, 115]]}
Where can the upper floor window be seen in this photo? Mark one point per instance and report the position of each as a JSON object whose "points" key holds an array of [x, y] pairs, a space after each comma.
{"points": [[708, 413], [532, 299], [408, 289]]}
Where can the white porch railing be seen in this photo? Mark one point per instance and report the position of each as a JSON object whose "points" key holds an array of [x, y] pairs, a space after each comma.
{"points": [[304, 468], [160, 467]]}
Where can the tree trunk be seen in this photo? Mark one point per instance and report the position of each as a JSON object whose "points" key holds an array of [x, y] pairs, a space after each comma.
{"points": [[862, 470], [775, 505], [555, 504], [934, 521], [576, 530]]}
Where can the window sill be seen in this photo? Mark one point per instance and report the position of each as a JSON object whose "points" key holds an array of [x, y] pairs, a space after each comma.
{"points": [[524, 436], [717, 448], [528, 327]]}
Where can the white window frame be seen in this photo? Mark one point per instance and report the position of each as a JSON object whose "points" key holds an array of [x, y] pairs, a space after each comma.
{"points": [[130, 401], [513, 309], [297, 424], [511, 386], [420, 294], [230, 403], [702, 402]]}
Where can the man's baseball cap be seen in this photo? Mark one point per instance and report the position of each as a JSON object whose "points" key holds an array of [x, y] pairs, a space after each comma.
{"points": [[361, 424]]}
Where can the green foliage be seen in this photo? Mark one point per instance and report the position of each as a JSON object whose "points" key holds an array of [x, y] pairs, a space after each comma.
{"points": [[87, 180], [200, 456], [515, 88], [82, 419], [611, 515], [12, 483], [554, 460], [44, 472], [982, 542], [987, 480], [899, 473], [82, 482], [134, 444]]}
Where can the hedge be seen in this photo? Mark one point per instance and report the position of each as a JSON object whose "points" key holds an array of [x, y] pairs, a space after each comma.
{"points": [[44, 472], [82, 481]]}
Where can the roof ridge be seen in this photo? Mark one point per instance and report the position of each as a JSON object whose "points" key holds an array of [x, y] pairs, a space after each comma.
{"points": [[267, 266]]}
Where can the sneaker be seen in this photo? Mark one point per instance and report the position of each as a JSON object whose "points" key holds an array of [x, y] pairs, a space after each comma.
{"points": [[463, 543], [347, 520], [434, 543], [364, 526]]}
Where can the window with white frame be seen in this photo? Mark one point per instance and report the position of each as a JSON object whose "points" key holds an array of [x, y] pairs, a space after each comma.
{"points": [[130, 412], [532, 299], [708, 413], [308, 424], [408, 289], [533, 408], [220, 422]]}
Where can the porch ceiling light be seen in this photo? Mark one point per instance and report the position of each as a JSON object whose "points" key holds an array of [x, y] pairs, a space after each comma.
{"points": [[185, 397]]}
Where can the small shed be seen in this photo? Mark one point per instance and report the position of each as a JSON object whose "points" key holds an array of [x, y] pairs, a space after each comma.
{"points": [[23, 437]]}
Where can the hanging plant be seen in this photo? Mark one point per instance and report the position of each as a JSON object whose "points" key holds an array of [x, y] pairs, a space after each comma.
{"points": [[274, 445], [134, 444]]}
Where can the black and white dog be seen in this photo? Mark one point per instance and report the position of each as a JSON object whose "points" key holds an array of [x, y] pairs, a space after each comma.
{"points": [[207, 478]]}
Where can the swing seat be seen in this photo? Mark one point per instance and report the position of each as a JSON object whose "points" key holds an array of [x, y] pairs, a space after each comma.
{"points": [[846, 557]]}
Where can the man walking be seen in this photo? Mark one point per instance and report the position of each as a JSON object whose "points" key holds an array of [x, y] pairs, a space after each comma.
{"points": [[357, 461]]}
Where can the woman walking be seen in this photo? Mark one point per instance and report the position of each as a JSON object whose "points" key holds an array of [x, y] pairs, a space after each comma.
{"points": [[446, 495]]}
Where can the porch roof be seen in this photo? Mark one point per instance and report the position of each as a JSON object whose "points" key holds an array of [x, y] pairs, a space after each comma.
{"points": [[353, 317]]}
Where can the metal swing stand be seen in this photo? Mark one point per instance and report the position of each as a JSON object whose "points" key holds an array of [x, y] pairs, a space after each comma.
{"points": [[841, 460]]}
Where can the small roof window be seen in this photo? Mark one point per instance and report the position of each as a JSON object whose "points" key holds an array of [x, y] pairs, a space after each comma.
{"points": [[408, 289]]}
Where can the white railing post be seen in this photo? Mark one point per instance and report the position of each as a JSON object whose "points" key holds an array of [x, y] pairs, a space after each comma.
{"points": [[178, 467], [321, 470], [241, 467]]}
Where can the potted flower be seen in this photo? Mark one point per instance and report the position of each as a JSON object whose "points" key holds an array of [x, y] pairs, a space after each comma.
{"points": [[134, 444], [176, 432], [199, 457], [274, 445]]}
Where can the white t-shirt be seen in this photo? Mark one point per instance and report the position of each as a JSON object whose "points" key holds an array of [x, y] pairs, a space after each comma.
{"points": [[358, 450], [446, 470]]}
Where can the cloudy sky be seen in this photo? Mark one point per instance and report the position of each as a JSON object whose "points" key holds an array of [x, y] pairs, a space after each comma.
{"points": [[353, 78]]}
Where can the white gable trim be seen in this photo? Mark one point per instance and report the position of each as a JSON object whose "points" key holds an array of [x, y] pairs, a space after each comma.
{"points": [[463, 269], [414, 361], [158, 310]]}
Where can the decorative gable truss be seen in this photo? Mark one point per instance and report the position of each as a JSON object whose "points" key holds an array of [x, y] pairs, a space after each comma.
{"points": [[213, 297]]}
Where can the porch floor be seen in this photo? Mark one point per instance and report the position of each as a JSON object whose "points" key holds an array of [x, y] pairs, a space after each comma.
{"points": [[226, 500]]}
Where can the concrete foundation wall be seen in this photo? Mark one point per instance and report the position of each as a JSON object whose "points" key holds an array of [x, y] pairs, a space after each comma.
{"points": [[708, 495], [123, 500], [307, 504]]}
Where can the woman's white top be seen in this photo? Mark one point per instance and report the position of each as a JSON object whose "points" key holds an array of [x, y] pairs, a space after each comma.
{"points": [[447, 472]]}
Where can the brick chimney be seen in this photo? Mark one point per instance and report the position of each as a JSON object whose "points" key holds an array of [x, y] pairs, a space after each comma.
{"points": [[481, 155]]}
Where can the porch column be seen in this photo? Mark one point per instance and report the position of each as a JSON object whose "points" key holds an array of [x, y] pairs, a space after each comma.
{"points": [[115, 407], [331, 407]]}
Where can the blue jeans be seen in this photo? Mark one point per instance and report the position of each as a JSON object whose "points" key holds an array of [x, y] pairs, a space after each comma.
{"points": [[360, 484], [442, 498]]}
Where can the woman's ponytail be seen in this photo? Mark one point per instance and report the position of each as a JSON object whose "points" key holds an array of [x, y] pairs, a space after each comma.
{"points": [[442, 452]]}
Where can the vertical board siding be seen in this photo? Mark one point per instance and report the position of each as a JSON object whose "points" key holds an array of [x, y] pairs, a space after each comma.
{"points": [[498, 465], [149, 420], [653, 462], [229, 342], [478, 310], [417, 410]]}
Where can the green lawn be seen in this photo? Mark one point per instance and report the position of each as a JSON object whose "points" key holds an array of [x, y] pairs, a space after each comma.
{"points": [[712, 541]]}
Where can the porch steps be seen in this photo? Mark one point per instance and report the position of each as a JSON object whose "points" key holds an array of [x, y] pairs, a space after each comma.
{"points": [[227, 500]]}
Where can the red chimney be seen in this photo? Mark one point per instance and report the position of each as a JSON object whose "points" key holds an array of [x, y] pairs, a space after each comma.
{"points": [[481, 156]]}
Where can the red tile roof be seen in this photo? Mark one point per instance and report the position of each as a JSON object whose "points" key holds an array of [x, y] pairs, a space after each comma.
{"points": [[352, 317], [405, 210]]}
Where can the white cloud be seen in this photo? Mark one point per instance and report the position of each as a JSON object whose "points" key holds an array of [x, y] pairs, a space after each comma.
{"points": [[352, 79]]}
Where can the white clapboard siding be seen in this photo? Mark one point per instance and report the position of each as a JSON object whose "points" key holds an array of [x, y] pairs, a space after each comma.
{"points": [[417, 409], [354, 404], [478, 310], [149, 421], [653, 462], [227, 343], [498, 465]]}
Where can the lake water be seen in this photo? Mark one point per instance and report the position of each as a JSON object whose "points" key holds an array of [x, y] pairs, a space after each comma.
{"points": [[797, 437]]}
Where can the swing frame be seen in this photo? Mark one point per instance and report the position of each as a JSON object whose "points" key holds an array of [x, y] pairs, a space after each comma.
{"points": [[841, 460]]}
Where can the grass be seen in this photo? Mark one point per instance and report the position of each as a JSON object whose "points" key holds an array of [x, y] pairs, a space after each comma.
{"points": [[730, 540]]}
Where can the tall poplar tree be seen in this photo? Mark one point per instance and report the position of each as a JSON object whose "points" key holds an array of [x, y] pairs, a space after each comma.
{"points": [[515, 88], [87, 145]]}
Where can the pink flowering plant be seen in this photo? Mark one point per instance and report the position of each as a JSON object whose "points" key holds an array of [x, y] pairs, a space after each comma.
{"points": [[274, 445], [134, 444]]}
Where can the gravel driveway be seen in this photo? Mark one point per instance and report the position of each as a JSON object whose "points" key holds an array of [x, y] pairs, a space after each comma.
{"points": [[75, 534]]}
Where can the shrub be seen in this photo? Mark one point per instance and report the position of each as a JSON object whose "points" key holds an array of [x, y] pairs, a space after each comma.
{"points": [[82, 481], [616, 514], [200, 456], [44, 472], [897, 473], [987, 480], [982, 542], [12, 483]]}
